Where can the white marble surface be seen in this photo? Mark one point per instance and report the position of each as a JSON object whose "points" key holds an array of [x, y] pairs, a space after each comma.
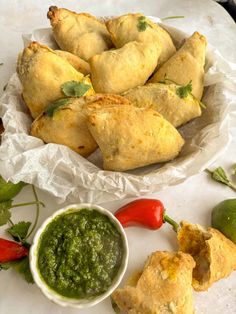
{"points": [[191, 200]]}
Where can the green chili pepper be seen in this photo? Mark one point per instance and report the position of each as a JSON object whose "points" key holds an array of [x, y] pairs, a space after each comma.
{"points": [[223, 218], [8, 189]]}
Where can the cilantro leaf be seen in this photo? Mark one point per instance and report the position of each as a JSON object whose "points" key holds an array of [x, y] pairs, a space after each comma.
{"points": [[21, 266], [219, 175], [142, 24], [5, 213], [74, 88], [19, 230], [55, 105], [184, 91], [5, 266]]}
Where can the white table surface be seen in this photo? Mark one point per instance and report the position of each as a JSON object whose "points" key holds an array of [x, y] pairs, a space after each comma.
{"points": [[191, 200]]}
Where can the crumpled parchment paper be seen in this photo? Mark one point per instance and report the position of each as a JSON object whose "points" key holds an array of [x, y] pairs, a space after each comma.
{"points": [[68, 176]]}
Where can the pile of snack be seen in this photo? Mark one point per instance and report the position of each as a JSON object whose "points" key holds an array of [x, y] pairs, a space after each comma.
{"points": [[119, 85]]}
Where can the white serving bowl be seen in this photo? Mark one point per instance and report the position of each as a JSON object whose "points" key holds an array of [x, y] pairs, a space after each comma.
{"points": [[48, 291]]}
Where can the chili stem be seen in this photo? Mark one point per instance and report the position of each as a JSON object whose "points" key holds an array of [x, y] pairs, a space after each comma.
{"points": [[170, 221], [27, 204], [37, 212]]}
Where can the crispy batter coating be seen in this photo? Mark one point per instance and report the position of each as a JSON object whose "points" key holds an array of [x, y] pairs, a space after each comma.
{"points": [[214, 254], [186, 65], [163, 287]]}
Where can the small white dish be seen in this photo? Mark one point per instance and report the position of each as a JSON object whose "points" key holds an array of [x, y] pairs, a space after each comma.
{"points": [[48, 291]]}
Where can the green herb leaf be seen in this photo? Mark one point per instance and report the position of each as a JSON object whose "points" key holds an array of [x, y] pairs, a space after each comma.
{"points": [[5, 266], [142, 24], [1, 63], [75, 88], [56, 105], [5, 213], [8, 190], [142, 18], [21, 266], [219, 175], [19, 230], [184, 91]]}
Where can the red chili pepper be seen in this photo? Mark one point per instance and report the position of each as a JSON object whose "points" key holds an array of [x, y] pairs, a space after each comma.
{"points": [[147, 213], [10, 251]]}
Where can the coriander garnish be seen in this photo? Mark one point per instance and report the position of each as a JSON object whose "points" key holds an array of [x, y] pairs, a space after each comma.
{"points": [[74, 88], [56, 105], [184, 91], [142, 24], [220, 175]]}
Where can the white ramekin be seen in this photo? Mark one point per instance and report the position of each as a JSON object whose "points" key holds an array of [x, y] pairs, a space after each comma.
{"points": [[49, 292]]}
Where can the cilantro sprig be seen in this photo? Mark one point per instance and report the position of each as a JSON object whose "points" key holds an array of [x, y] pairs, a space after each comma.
{"points": [[142, 24], [220, 176], [71, 89], [75, 88], [56, 105], [184, 91], [20, 232], [21, 267]]}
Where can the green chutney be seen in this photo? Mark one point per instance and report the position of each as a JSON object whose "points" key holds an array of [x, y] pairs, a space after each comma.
{"points": [[80, 253]]}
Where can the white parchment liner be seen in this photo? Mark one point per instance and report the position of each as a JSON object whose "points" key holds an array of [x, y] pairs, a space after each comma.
{"points": [[68, 176]]}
